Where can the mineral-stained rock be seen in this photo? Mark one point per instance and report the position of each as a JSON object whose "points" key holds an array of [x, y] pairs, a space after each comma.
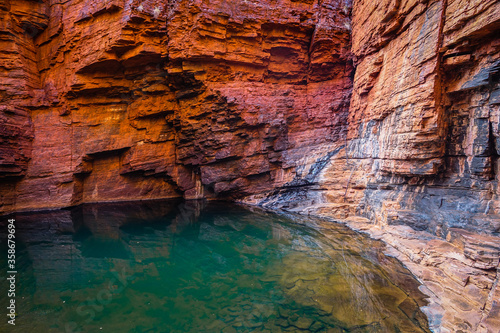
{"points": [[19, 71]]}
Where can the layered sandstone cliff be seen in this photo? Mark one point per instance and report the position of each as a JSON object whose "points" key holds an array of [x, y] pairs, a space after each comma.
{"points": [[386, 110]]}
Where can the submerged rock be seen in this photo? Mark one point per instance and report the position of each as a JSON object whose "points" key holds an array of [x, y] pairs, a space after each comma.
{"points": [[175, 278]]}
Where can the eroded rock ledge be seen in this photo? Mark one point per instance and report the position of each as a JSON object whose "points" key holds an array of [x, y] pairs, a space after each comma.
{"points": [[382, 110]]}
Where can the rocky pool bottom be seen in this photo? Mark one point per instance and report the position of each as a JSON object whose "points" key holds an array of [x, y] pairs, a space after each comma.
{"points": [[167, 266]]}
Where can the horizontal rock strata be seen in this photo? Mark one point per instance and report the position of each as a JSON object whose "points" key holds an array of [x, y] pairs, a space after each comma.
{"points": [[152, 99], [422, 151]]}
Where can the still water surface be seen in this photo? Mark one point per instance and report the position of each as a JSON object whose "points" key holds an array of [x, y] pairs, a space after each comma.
{"points": [[191, 267]]}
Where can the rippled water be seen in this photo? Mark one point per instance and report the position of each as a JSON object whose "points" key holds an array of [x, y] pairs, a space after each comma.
{"points": [[183, 267]]}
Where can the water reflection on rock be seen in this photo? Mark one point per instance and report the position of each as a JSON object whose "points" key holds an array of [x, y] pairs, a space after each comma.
{"points": [[187, 267]]}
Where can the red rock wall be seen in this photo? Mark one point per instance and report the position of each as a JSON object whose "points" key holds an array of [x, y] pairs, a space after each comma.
{"points": [[122, 100], [19, 77], [424, 112], [152, 99], [422, 126], [403, 76]]}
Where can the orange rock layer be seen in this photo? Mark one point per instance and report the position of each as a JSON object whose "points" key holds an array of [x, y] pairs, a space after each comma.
{"points": [[121, 100]]}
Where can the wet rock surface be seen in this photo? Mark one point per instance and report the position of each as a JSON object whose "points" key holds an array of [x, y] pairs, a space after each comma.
{"points": [[462, 289]]}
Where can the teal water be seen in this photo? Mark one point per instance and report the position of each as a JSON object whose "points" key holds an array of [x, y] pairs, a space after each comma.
{"points": [[192, 267]]}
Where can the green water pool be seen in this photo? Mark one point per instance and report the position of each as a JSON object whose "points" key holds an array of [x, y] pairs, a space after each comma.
{"points": [[168, 266]]}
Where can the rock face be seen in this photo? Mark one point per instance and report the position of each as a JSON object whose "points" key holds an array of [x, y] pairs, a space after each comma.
{"points": [[386, 110], [150, 99], [18, 72], [422, 150], [423, 110]]}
